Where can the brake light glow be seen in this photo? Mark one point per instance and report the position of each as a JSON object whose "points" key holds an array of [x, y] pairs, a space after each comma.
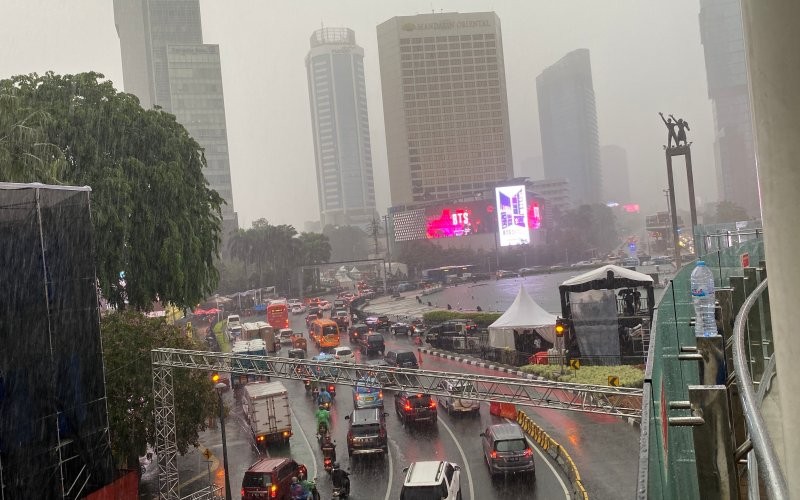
{"points": [[242, 492], [528, 452], [433, 404], [380, 394], [407, 407], [260, 438], [273, 491], [330, 388], [493, 454]]}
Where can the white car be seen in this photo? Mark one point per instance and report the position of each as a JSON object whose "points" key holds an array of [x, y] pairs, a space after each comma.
{"points": [[432, 479], [298, 309], [454, 403], [344, 355], [325, 305]]}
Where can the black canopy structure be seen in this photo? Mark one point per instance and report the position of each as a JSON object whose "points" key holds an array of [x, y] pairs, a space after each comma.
{"points": [[608, 277]]}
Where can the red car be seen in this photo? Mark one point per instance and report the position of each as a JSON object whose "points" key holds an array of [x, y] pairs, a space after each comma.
{"points": [[271, 478]]}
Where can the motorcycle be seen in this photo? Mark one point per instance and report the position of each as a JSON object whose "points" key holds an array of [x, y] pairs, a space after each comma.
{"points": [[307, 383], [342, 489]]}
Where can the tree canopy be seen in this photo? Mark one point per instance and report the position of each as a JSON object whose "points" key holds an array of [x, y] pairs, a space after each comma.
{"points": [[155, 217], [128, 338], [272, 253]]}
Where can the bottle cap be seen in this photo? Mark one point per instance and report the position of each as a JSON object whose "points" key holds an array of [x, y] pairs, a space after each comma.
{"points": [[701, 263]]}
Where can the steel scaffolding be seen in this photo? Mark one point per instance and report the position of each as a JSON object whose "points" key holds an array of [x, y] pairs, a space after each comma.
{"points": [[519, 391]]}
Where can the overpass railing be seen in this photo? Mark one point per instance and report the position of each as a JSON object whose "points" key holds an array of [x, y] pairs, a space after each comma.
{"points": [[694, 431]]}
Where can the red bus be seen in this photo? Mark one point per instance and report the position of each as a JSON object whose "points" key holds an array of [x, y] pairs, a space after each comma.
{"points": [[278, 315]]}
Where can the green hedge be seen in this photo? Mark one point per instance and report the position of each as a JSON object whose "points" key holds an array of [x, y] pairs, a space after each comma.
{"points": [[629, 376], [481, 319]]}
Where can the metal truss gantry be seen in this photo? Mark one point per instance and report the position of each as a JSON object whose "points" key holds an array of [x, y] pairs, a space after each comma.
{"points": [[519, 391]]}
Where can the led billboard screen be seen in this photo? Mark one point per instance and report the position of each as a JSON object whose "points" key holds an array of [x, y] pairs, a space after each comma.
{"points": [[448, 220], [512, 216]]}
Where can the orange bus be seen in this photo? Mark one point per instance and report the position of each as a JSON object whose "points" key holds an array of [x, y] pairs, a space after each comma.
{"points": [[325, 333], [278, 315]]}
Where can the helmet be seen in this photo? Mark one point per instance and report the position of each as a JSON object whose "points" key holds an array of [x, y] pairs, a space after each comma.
{"points": [[294, 480], [335, 465]]}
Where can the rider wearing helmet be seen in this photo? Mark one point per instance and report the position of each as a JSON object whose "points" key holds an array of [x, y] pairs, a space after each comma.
{"points": [[323, 419], [340, 478], [324, 396]]}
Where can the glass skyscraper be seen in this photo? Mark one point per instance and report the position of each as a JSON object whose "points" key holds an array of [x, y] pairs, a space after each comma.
{"points": [[568, 126], [165, 63], [336, 89], [726, 72]]}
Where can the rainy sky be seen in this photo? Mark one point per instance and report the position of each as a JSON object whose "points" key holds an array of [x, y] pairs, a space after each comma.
{"points": [[646, 57]]}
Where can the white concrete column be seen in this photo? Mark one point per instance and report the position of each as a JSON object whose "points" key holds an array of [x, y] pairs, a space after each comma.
{"points": [[772, 30]]}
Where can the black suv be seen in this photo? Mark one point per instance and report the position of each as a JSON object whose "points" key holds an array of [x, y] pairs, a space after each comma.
{"points": [[401, 358], [371, 342], [367, 432], [441, 336], [357, 331], [415, 407]]}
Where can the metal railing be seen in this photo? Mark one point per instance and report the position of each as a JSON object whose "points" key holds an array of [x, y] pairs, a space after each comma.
{"points": [[767, 460]]}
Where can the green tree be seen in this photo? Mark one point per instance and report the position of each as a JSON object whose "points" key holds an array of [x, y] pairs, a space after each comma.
{"points": [[128, 338], [154, 216], [727, 211], [347, 242]]}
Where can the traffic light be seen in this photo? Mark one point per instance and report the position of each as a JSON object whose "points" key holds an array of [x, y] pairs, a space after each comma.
{"points": [[561, 326]]}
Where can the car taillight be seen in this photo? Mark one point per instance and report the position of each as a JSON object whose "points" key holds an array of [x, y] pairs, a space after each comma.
{"points": [[380, 394], [260, 438], [433, 404], [273, 491], [528, 452], [330, 388], [242, 495], [493, 454], [407, 407], [358, 396]]}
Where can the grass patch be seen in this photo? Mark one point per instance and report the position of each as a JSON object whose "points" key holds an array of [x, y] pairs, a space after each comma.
{"points": [[224, 346], [629, 376]]}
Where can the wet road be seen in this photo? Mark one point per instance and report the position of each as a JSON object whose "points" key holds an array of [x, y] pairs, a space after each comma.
{"points": [[455, 438]]}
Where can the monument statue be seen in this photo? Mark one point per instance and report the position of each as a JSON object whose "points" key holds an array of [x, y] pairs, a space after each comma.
{"points": [[682, 128], [671, 124]]}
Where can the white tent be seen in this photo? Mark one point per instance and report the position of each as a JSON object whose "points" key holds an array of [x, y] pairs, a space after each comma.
{"points": [[601, 274], [523, 314]]}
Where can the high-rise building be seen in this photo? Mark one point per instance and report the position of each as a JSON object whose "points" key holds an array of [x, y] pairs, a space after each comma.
{"points": [[165, 63], [616, 180], [723, 44], [568, 125], [444, 104], [336, 88]]}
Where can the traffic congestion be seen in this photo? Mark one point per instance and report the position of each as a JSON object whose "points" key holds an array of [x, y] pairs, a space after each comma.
{"points": [[369, 440]]}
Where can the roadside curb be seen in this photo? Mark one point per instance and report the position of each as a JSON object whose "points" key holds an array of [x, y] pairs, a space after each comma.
{"points": [[503, 369]]}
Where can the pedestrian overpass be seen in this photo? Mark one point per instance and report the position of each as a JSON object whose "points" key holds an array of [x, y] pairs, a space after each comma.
{"points": [[519, 391]]}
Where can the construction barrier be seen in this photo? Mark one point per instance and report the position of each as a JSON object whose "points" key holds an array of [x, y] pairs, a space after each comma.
{"points": [[556, 452], [505, 410]]}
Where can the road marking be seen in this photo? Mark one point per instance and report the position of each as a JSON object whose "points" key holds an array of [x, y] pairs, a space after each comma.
{"points": [[464, 458], [308, 443], [546, 459], [391, 474]]}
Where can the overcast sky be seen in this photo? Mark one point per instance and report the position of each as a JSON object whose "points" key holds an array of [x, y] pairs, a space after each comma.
{"points": [[646, 57]]}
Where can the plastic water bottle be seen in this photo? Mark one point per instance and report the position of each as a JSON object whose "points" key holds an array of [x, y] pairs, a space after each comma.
{"points": [[702, 280]]}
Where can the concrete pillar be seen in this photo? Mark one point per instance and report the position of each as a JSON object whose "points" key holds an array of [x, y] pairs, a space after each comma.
{"points": [[773, 55]]}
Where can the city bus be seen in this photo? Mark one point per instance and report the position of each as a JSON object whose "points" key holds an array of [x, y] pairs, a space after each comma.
{"points": [[278, 315], [325, 333], [440, 274]]}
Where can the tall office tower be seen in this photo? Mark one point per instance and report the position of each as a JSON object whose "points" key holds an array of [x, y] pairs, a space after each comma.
{"points": [[165, 63], [568, 125], [723, 43], [444, 105], [616, 180], [336, 88]]}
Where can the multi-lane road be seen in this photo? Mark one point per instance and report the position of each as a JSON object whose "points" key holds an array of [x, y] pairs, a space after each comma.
{"points": [[454, 438]]}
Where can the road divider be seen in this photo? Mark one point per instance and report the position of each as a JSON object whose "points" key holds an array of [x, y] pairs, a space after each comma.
{"points": [[556, 452]]}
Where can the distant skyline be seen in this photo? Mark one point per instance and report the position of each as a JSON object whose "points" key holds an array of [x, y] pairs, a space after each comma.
{"points": [[646, 58]]}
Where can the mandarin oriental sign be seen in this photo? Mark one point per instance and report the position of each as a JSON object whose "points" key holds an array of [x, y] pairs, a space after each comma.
{"points": [[446, 25]]}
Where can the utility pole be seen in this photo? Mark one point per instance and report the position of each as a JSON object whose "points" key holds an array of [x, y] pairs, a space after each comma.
{"points": [[386, 232], [375, 229]]}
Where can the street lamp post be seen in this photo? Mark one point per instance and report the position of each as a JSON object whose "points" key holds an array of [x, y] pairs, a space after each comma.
{"points": [[221, 387]]}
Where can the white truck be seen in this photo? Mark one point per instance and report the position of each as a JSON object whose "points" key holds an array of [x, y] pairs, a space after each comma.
{"points": [[263, 331], [266, 408], [234, 327]]}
